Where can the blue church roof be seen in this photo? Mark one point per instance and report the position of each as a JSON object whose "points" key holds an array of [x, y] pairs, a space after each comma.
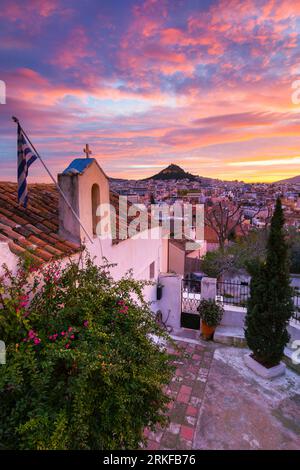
{"points": [[78, 165]]}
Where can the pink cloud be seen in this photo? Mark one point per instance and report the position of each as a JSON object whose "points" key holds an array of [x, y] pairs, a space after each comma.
{"points": [[74, 50]]}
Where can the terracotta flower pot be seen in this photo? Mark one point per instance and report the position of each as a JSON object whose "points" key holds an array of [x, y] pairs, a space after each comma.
{"points": [[207, 331]]}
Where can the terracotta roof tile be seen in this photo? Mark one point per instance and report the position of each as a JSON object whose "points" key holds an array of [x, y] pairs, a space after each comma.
{"points": [[3, 238], [43, 254], [36, 241], [23, 230], [33, 230], [51, 249], [16, 249]]}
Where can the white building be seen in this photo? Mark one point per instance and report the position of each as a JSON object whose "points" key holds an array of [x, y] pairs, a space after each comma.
{"points": [[47, 229]]}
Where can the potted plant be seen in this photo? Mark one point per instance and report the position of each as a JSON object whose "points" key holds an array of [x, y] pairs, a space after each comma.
{"points": [[210, 314]]}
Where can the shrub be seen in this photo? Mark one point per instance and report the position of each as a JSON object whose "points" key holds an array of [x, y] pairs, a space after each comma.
{"points": [[82, 371], [210, 312]]}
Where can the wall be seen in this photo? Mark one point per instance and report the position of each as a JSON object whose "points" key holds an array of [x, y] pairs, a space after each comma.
{"points": [[7, 257], [170, 303], [176, 259], [136, 254]]}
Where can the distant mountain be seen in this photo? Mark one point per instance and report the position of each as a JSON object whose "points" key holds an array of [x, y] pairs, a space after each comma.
{"points": [[293, 180], [173, 172]]}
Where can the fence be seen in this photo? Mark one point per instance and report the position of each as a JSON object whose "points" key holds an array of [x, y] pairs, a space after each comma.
{"points": [[233, 293], [296, 316], [237, 293]]}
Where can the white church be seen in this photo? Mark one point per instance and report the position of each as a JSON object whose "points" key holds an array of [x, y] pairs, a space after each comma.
{"points": [[47, 229]]}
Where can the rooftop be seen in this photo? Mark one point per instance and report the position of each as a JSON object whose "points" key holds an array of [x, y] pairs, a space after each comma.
{"points": [[34, 230], [78, 165]]}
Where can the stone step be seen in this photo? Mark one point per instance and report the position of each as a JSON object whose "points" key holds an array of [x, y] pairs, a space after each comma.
{"points": [[289, 360], [186, 334], [230, 335]]}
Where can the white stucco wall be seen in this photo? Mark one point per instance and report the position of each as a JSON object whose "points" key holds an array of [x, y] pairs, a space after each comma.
{"points": [[170, 303], [8, 258], [129, 254], [136, 254]]}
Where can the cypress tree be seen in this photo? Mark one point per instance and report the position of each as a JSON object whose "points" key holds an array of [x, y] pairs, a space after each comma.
{"points": [[270, 305]]}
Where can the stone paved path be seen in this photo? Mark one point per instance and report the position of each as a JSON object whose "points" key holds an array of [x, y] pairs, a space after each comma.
{"points": [[187, 390], [218, 403]]}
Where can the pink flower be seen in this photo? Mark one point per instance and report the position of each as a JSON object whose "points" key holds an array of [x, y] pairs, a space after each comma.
{"points": [[55, 336], [31, 334], [67, 346], [72, 337], [63, 333], [124, 309], [36, 341], [85, 323], [70, 328], [24, 301]]}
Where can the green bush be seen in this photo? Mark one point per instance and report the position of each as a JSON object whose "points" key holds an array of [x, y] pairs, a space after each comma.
{"points": [[82, 371], [210, 312]]}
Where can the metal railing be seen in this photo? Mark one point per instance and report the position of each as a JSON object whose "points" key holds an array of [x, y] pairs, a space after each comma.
{"points": [[238, 293], [233, 293], [228, 293]]}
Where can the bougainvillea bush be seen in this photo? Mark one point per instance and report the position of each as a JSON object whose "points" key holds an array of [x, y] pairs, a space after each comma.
{"points": [[82, 371]]}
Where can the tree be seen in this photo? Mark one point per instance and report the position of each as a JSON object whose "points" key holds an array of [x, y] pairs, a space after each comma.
{"points": [[236, 256], [270, 305], [82, 368], [224, 218]]}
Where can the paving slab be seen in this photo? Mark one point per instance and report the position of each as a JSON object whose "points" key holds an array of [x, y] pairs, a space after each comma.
{"points": [[219, 403], [243, 411]]}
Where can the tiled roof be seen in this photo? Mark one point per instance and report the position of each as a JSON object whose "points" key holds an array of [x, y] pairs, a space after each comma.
{"points": [[121, 224], [33, 230]]}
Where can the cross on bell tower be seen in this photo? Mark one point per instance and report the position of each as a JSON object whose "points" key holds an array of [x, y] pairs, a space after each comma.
{"points": [[87, 150]]}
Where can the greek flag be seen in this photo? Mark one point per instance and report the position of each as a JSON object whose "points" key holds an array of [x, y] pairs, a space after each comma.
{"points": [[25, 159]]}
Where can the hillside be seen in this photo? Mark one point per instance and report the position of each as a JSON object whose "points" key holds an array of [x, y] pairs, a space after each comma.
{"points": [[172, 172], [293, 180]]}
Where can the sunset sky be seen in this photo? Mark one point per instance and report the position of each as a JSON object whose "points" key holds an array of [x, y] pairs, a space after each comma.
{"points": [[200, 83]]}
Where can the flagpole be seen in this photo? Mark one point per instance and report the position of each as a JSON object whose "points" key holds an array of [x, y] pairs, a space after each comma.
{"points": [[16, 120]]}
